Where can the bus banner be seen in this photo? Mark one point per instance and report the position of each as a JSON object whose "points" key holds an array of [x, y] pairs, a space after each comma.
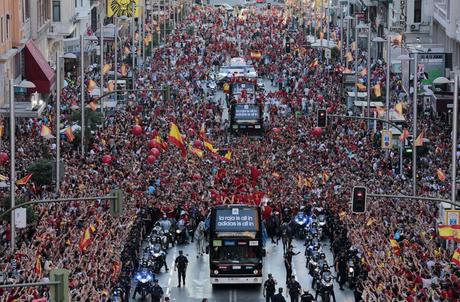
{"points": [[236, 220]]}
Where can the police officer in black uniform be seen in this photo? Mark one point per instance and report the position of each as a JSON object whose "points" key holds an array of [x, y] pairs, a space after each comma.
{"points": [[341, 269], [181, 266], [157, 292], [294, 289], [269, 288], [279, 296]]}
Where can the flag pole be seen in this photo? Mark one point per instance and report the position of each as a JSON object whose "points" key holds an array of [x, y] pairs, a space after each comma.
{"points": [[82, 92], [12, 165], [58, 118], [414, 135], [454, 137]]}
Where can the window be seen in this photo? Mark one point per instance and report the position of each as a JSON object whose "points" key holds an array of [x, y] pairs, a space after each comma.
{"points": [[8, 17], [417, 11], [2, 37], [56, 11]]}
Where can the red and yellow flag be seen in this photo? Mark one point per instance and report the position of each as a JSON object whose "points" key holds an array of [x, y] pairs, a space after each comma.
{"points": [[69, 134], [203, 133], [419, 140], [38, 265], [223, 155], [456, 257], [91, 85], [404, 135], [363, 72], [124, 70], [361, 87], [2, 131], [395, 245], [175, 138], [93, 105], [196, 151], [441, 175], [24, 180], [86, 238], [106, 68], [349, 57], [210, 147], [160, 141]]}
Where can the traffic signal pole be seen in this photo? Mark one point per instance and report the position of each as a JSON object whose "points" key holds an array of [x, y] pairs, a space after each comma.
{"points": [[424, 198], [58, 200]]}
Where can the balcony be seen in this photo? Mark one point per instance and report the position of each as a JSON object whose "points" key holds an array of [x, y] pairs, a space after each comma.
{"points": [[59, 29], [441, 15]]}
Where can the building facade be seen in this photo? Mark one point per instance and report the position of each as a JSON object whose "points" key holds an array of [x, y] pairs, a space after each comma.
{"points": [[446, 27]]}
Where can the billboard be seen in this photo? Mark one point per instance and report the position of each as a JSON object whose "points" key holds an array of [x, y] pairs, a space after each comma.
{"points": [[122, 8], [237, 220], [432, 65], [246, 112]]}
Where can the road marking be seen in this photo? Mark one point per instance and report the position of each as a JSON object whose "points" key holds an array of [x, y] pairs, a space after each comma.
{"points": [[169, 281], [230, 296]]}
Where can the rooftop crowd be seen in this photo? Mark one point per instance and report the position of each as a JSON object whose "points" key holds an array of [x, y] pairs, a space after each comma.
{"points": [[274, 166]]}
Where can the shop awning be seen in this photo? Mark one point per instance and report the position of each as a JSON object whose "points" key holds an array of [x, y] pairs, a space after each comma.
{"points": [[37, 69]]}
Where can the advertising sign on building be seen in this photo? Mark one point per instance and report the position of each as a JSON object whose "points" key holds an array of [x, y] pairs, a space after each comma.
{"points": [[430, 66]]}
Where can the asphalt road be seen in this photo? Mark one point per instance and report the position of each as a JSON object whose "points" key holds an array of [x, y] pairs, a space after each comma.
{"points": [[198, 285]]}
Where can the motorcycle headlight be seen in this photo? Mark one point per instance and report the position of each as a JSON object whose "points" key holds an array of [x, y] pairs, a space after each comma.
{"points": [[177, 231], [351, 270]]}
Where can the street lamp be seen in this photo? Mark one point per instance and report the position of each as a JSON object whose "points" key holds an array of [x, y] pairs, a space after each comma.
{"points": [[414, 120], [27, 85], [443, 80], [357, 27], [387, 82], [59, 56]]}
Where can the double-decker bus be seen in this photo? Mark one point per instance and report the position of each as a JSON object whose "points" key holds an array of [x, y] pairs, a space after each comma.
{"points": [[236, 247]]}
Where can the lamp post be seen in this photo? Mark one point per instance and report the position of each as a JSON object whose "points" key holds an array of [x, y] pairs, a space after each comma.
{"points": [[348, 18], [101, 50], [28, 85], [357, 27], [58, 113], [443, 80], [414, 120], [115, 36]]}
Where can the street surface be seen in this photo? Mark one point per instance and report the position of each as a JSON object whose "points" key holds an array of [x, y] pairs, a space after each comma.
{"points": [[198, 285]]}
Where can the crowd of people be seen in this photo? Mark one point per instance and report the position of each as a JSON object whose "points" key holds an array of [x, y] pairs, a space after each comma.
{"points": [[289, 167]]}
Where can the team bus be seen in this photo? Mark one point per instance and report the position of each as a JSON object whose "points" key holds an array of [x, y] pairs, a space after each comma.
{"points": [[246, 119], [236, 248]]}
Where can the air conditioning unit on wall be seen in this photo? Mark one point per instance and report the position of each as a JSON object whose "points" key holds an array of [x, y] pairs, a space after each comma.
{"points": [[415, 27]]}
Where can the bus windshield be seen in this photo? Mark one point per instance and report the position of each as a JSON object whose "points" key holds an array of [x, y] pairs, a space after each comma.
{"points": [[235, 254]]}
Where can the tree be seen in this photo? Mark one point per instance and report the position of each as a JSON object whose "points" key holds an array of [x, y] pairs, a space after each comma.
{"points": [[42, 172], [92, 120], [30, 214]]}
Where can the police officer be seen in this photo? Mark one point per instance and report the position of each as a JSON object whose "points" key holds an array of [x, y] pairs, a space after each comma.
{"points": [[157, 292], [269, 288], [341, 269], [288, 262], [294, 289], [181, 266], [279, 296]]}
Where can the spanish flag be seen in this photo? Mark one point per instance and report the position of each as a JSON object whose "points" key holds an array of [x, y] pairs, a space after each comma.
{"points": [[224, 155], [175, 138], [195, 151], [314, 64], [399, 108], [363, 72], [111, 86], [86, 238], [210, 147], [404, 135], [353, 46], [419, 140], [106, 68], [441, 175], [377, 91], [456, 257], [325, 177], [160, 141], [69, 134], [2, 131], [24, 180], [91, 85], [38, 265], [3, 178]]}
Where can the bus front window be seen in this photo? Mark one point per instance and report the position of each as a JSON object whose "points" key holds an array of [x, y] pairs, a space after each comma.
{"points": [[236, 254]]}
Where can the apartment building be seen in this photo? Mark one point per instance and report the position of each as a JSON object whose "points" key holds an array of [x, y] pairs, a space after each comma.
{"points": [[446, 27]]}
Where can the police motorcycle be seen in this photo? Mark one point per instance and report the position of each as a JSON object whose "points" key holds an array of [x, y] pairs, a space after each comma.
{"points": [[182, 229], [300, 222], [307, 297], [353, 269], [156, 255], [321, 266], [312, 260], [159, 234], [117, 294], [144, 282], [313, 243], [326, 286]]}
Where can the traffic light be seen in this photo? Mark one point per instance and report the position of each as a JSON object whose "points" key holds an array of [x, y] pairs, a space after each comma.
{"points": [[60, 292], [166, 93], [322, 118], [116, 204], [288, 47], [359, 200]]}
